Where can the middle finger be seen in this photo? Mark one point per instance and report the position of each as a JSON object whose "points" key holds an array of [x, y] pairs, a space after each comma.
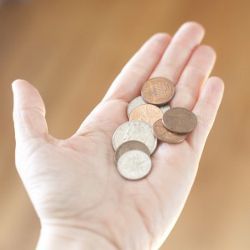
{"points": [[180, 49]]}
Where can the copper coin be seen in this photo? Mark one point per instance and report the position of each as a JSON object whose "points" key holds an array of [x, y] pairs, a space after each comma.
{"points": [[138, 101], [158, 91], [179, 120], [147, 113], [165, 135]]}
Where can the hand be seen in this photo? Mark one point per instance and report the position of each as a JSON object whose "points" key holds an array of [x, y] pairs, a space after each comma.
{"points": [[80, 198]]}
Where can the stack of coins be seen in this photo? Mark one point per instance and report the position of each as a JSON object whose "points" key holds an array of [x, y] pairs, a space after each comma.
{"points": [[150, 118]]}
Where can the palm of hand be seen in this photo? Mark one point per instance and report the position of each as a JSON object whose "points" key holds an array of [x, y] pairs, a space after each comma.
{"points": [[74, 182]]}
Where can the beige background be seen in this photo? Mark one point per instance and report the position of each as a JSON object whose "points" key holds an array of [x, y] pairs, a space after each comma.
{"points": [[72, 50]]}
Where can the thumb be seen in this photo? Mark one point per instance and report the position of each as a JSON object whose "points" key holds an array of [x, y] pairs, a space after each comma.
{"points": [[28, 112]]}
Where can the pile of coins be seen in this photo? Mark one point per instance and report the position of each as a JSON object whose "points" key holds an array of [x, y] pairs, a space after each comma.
{"points": [[150, 118]]}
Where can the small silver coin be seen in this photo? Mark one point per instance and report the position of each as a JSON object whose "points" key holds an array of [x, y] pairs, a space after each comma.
{"points": [[134, 164], [128, 146], [138, 101], [164, 108], [135, 131]]}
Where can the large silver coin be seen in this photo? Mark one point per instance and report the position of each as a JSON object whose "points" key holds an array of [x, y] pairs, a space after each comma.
{"points": [[134, 164], [135, 131], [138, 101]]}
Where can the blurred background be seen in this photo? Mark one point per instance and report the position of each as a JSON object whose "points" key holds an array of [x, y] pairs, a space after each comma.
{"points": [[72, 50]]}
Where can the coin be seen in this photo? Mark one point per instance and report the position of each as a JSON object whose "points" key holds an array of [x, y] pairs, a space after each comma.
{"points": [[134, 104], [158, 91], [165, 108], [165, 135], [128, 146], [135, 131], [134, 164], [179, 120], [147, 113]]}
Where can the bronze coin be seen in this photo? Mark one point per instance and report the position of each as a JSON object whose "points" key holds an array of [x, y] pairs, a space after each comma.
{"points": [[165, 135], [147, 113], [158, 91], [179, 120]]}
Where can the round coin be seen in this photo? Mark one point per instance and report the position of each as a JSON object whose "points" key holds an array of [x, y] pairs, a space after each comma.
{"points": [[165, 108], [128, 146], [134, 165], [179, 120], [138, 101], [165, 135], [135, 131], [147, 113], [158, 91]]}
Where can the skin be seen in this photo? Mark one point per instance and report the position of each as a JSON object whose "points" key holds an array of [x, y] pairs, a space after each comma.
{"points": [[80, 199]]}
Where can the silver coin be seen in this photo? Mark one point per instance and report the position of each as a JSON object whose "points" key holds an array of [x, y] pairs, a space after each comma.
{"points": [[135, 131], [165, 108], [128, 146], [138, 101], [134, 165]]}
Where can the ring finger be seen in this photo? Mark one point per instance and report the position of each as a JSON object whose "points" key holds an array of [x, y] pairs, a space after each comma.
{"points": [[195, 73]]}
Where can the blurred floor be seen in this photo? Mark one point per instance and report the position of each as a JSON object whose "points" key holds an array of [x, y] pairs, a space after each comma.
{"points": [[72, 50]]}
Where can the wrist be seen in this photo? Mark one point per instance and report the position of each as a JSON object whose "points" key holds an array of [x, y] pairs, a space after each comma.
{"points": [[72, 238]]}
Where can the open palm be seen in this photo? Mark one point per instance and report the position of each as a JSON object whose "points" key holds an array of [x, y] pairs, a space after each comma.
{"points": [[74, 184]]}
